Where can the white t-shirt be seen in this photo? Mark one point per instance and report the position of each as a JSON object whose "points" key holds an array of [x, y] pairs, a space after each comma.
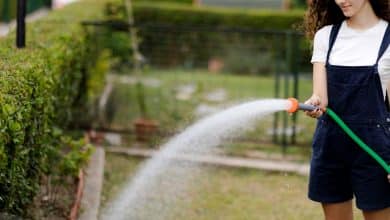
{"points": [[354, 48]]}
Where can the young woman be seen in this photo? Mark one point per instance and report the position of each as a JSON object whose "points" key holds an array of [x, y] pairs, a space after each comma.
{"points": [[351, 75]]}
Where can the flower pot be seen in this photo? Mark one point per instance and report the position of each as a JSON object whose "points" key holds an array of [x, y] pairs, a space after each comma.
{"points": [[95, 137], [145, 129]]}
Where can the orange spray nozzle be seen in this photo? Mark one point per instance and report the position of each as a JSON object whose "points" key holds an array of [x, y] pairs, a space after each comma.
{"points": [[295, 106]]}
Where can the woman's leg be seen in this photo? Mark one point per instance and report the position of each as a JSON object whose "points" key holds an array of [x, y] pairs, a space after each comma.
{"points": [[338, 211], [383, 214]]}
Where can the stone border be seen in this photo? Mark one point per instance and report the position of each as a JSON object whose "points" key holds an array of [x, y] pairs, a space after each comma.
{"points": [[5, 28], [261, 164], [93, 183]]}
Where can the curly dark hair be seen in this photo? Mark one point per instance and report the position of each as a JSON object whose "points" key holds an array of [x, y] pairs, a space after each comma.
{"points": [[327, 12]]}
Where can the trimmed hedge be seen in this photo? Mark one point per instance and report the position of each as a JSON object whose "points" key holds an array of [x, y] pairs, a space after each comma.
{"points": [[179, 14], [183, 35], [40, 86], [173, 1]]}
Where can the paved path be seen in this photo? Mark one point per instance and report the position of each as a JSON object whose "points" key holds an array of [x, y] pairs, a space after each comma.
{"points": [[269, 165], [5, 28]]}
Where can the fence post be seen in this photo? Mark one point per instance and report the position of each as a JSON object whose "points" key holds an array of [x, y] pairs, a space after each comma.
{"points": [[277, 64], [279, 58], [295, 70], [21, 24], [289, 61]]}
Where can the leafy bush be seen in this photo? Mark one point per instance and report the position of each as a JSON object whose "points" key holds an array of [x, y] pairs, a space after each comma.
{"points": [[40, 87]]}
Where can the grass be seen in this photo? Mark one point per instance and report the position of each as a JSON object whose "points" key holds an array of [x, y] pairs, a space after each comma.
{"points": [[221, 193], [163, 105], [267, 151], [174, 114], [116, 170]]}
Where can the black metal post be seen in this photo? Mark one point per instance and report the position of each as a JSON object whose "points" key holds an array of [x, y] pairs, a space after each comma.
{"points": [[296, 60], [21, 24], [287, 74], [277, 84]]}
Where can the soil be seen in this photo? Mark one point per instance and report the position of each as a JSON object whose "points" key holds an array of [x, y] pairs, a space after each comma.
{"points": [[54, 202]]}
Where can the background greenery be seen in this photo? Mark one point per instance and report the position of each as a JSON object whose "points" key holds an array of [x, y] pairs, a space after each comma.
{"points": [[173, 34]]}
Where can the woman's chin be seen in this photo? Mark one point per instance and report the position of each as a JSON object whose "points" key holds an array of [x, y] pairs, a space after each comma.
{"points": [[348, 14]]}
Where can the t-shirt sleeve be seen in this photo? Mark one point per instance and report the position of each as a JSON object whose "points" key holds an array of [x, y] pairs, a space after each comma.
{"points": [[384, 71], [320, 45]]}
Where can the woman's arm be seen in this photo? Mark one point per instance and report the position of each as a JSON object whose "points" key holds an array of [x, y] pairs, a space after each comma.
{"points": [[320, 92], [319, 83]]}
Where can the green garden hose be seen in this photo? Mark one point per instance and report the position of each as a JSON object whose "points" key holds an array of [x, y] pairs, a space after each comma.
{"points": [[295, 106], [359, 141]]}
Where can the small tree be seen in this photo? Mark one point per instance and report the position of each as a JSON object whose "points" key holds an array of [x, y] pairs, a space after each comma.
{"points": [[137, 59], [144, 127]]}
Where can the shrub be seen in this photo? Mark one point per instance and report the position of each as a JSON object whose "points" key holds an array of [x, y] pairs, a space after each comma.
{"points": [[40, 87]]}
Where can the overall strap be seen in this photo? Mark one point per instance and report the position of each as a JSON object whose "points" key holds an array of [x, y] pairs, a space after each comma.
{"points": [[332, 39], [384, 44]]}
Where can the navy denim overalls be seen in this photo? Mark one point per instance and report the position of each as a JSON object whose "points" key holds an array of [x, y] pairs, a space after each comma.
{"points": [[339, 167]]}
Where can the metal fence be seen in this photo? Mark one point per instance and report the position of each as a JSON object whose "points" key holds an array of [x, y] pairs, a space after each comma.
{"points": [[278, 55], [281, 55], [242, 50]]}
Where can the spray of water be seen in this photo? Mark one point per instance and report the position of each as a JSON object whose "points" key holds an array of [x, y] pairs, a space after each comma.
{"points": [[160, 182]]}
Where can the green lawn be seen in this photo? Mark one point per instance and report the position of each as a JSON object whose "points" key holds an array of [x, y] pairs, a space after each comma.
{"points": [[221, 193], [174, 114]]}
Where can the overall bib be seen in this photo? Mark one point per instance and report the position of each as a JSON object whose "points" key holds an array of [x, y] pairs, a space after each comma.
{"points": [[339, 167]]}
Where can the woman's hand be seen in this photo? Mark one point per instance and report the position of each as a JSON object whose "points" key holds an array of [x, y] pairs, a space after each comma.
{"points": [[314, 100], [388, 177]]}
